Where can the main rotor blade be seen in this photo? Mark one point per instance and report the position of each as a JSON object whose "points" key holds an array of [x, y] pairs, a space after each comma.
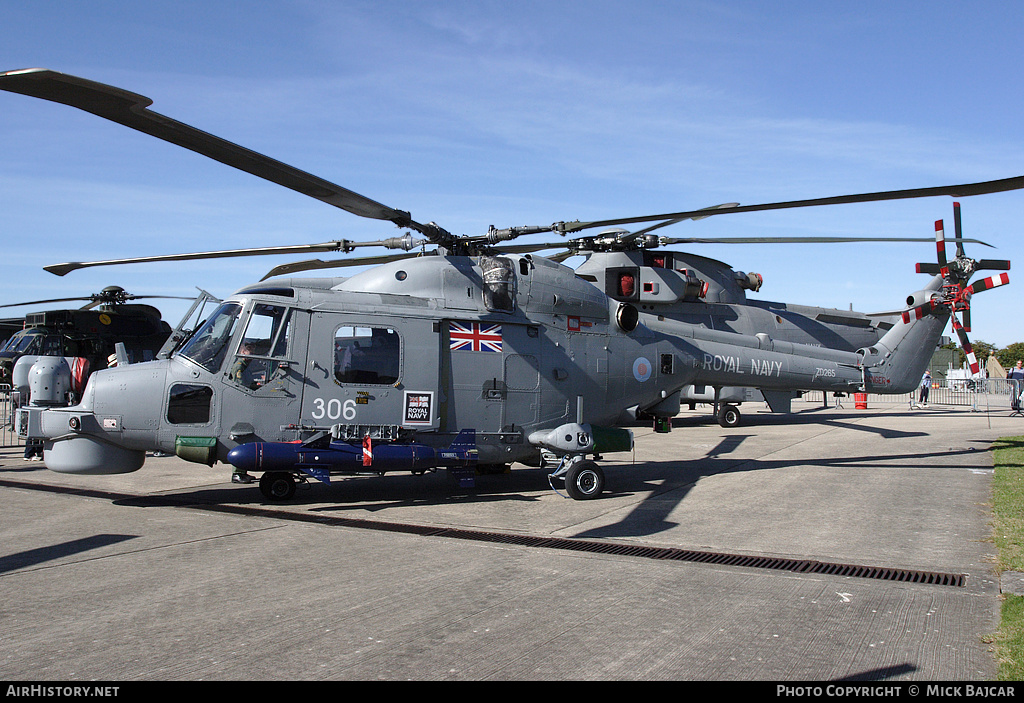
{"points": [[45, 302], [337, 245], [93, 300], [529, 248], [963, 190], [668, 223], [561, 256], [96, 302], [130, 110], [801, 240], [314, 264]]}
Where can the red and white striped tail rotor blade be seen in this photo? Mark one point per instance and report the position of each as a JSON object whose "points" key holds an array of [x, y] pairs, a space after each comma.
{"points": [[988, 283], [965, 344], [940, 247], [918, 311], [958, 230]]}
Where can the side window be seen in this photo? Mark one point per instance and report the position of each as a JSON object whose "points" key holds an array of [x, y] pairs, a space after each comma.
{"points": [[52, 346], [189, 404], [264, 343], [366, 355]]}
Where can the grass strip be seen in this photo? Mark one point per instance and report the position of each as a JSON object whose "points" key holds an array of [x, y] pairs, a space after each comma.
{"points": [[1008, 534]]}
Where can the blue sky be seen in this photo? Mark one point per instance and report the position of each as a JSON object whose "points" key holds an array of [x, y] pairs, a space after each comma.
{"points": [[481, 113]]}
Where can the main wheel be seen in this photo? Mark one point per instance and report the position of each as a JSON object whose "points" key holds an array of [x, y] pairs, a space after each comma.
{"points": [[277, 485], [729, 416], [584, 480]]}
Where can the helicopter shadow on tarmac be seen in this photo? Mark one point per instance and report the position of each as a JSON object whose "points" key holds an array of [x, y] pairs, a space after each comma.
{"points": [[649, 490], [668, 483], [814, 416], [61, 550], [673, 482]]}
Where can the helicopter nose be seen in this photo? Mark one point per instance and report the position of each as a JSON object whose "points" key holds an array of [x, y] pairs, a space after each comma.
{"points": [[111, 429]]}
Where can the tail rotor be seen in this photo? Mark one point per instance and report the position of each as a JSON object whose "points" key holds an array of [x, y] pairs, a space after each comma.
{"points": [[955, 294]]}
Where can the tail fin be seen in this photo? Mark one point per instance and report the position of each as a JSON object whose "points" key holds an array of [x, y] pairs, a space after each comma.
{"points": [[460, 458], [464, 441], [461, 452], [896, 363]]}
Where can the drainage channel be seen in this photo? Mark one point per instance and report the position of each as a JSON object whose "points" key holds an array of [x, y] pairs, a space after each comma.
{"points": [[800, 566]]}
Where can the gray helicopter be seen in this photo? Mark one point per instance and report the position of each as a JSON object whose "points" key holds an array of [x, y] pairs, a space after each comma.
{"points": [[471, 356], [682, 292]]}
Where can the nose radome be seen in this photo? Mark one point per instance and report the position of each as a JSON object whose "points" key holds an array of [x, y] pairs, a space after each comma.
{"points": [[89, 456], [111, 429]]}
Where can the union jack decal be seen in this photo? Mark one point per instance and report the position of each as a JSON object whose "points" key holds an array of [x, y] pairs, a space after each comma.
{"points": [[474, 336]]}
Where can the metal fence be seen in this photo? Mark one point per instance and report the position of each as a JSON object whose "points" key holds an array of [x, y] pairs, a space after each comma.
{"points": [[980, 394], [8, 437]]}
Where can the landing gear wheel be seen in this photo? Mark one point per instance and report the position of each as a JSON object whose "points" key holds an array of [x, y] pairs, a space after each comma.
{"points": [[584, 480], [729, 416], [277, 485]]}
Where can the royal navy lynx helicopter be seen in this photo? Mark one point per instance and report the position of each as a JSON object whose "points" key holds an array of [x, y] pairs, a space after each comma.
{"points": [[683, 293], [472, 355]]}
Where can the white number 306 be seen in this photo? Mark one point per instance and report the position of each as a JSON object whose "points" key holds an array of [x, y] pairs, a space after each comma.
{"points": [[334, 409]]}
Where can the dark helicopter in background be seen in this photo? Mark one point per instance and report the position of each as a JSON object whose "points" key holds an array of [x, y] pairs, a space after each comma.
{"points": [[476, 354], [89, 332]]}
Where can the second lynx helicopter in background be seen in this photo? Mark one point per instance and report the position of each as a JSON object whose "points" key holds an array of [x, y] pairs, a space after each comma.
{"points": [[680, 292]]}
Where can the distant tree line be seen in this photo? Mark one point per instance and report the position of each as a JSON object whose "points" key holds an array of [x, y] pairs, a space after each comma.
{"points": [[1007, 356]]}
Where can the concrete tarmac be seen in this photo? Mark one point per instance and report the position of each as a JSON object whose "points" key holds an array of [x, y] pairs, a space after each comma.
{"points": [[174, 573]]}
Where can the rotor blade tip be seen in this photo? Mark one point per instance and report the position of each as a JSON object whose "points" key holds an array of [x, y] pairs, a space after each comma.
{"points": [[62, 269]]}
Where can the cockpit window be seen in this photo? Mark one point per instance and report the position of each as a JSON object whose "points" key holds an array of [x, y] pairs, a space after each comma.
{"points": [[209, 344], [366, 355], [263, 344], [28, 343], [189, 404], [52, 346]]}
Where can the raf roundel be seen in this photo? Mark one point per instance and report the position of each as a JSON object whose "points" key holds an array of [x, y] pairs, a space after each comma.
{"points": [[641, 369]]}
